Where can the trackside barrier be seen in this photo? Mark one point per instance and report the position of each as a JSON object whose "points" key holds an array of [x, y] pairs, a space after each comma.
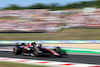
{"points": [[54, 41]]}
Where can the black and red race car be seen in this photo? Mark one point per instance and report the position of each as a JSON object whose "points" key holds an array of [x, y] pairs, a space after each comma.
{"points": [[36, 50]]}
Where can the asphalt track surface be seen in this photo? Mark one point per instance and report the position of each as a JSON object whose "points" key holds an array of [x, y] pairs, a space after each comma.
{"points": [[88, 59]]}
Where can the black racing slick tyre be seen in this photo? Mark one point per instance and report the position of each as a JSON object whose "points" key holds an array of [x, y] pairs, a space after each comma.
{"points": [[61, 52], [57, 49], [17, 51]]}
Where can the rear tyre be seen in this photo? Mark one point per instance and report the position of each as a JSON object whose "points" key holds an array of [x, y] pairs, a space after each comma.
{"points": [[17, 51]]}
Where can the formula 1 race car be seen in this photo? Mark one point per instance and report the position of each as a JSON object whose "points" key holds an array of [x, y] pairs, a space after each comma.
{"points": [[36, 50]]}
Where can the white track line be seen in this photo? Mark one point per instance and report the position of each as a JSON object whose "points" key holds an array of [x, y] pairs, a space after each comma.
{"points": [[6, 50], [46, 63], [43, 62]]}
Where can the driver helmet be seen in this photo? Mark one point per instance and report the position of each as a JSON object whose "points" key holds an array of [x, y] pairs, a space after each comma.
{"points": [[33, 43]]}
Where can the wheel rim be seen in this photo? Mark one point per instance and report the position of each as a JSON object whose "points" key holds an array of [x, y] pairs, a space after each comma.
{"points": [[14, 50], [35, 52]]}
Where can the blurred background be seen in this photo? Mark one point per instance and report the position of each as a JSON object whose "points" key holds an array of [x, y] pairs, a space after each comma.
{"points": [[73, 25], [65, 20]]}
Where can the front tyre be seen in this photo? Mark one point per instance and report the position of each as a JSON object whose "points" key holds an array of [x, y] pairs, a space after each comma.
{"points": [[61, 52], [57, 49]]}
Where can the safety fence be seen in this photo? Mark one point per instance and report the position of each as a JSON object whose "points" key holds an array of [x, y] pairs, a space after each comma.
{"points": [[53, 41]]}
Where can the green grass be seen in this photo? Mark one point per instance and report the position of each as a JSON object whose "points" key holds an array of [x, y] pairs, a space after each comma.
{"points": [[9, 64], [65, 34], [9, 18]]}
